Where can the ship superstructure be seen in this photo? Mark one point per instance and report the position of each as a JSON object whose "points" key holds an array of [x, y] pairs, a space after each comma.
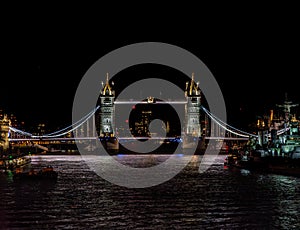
{"points": [[277, 147]]}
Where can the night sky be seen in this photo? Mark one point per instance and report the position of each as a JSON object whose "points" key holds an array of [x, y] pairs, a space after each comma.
{"points": [[254, 57]]}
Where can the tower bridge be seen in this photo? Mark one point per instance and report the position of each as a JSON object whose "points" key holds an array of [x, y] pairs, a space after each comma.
{"points": [[100, 123]]}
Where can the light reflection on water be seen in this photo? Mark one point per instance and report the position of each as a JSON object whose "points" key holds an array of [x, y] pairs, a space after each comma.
{"points": [[216, 199]]}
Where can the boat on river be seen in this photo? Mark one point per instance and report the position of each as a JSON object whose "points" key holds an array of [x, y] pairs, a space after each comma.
{"points": [[12, 162], [277, 151], [46, 173]]}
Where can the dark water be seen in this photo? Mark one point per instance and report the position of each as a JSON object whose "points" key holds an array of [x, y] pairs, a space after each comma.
{"points": [[216, 199]]}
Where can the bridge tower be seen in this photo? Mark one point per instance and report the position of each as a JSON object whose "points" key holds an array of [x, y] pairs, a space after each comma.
{"points": [[107, 118], [4, 129], [192, 108], [107, 110]]}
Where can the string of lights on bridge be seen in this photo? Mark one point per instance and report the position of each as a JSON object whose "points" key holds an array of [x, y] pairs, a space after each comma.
{"points": [[61, 132], [84, 119]]}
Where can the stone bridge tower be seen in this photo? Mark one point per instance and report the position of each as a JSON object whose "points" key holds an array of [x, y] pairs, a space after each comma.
{"points": [[107, 118], [107, 110], [192, 108]]}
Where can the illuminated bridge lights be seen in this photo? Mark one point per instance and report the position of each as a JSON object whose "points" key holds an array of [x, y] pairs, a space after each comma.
{"points": [[59, 135]]}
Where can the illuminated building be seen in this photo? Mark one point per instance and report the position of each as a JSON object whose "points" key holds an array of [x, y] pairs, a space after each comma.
{"points": [[41, 129], [141, 127], [14, 121]]}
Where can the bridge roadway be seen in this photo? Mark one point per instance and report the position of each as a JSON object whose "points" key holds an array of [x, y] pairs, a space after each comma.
{"points": [[119, 138], [132, 102]]}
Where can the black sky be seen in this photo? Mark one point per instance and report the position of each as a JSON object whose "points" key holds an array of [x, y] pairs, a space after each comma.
{"points": [[254, 57]]}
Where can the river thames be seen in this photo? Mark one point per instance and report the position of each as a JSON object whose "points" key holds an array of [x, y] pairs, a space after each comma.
{"points": [[216, 199]]}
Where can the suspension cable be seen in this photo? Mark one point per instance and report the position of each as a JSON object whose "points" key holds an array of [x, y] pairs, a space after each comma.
{"points": [[224, 125], [57, 133]]}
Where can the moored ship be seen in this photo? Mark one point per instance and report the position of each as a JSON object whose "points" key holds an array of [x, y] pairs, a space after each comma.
{"points": [[34, 174], [274, 150]]}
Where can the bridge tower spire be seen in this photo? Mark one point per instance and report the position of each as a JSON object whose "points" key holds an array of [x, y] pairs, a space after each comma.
{"points": [[107, 110], [192, 108]]}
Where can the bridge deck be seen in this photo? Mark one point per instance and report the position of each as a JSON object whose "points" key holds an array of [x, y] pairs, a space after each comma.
{"points": [[120, 102], [119, 138]]}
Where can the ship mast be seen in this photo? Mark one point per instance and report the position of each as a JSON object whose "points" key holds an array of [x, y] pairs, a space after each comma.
{"points": [[287, 105]]}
